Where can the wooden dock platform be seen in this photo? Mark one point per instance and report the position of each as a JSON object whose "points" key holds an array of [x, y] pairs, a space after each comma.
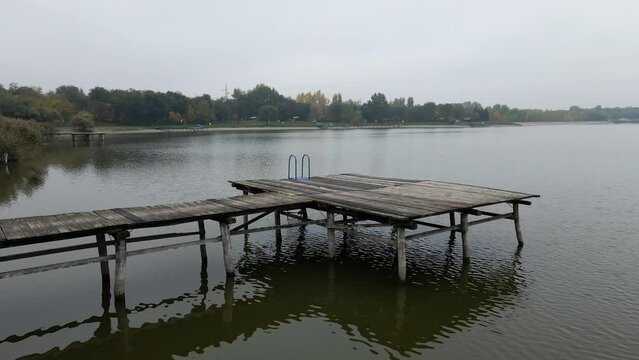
{"points": [[364, 201]]}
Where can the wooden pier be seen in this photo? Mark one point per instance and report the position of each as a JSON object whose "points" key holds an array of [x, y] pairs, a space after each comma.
{"points": [[363, 202]]}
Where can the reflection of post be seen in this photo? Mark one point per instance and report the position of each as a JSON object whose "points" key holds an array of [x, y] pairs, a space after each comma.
{"points": [[278, 231], [401, 254], [225, 232], [123, 323], [520, 238], [400, 306], [331, 281], [227, 308], [451, 216], [464, 231], [120, 265], [463, 278], [330, 219], [119, 286]]}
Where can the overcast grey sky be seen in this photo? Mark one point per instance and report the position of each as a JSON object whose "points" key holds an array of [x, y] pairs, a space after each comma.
{"points": [[542, 54]]}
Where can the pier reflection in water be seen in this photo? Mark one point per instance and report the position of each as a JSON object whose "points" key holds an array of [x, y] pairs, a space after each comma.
{"points": [[292, 281]]}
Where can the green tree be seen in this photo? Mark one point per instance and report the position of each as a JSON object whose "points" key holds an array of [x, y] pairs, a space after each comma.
{"points": [[268, 113], [83, 121]]}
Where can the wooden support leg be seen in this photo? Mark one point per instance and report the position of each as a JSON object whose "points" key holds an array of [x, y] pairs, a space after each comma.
{"points": [[225, 232], [104, 271], [246, 215], [451, 216], [304, 213], [464, 231], [401, 254], [330, 220], [202, 234], [344, 222], [278, 232], [520, 238], [120, 266]]}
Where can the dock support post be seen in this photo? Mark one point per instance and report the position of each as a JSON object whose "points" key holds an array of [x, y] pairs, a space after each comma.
{"points": [[5, 158], [401, 254], [520, 238], [451, 216], [225, 232], [202, 234], [245, 192], [120, 265], [104, 271], [278, 231], [330, 232], [104, 265], [464, 231]]}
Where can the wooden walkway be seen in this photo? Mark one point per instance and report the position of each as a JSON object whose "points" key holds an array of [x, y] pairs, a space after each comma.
{"points": [[362, 200]]}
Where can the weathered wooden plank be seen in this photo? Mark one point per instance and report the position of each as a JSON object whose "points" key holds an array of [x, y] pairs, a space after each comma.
{"points": [[12, 229], [471, 189], [310, 185], [363, 180], [270, 199], [289, 187], [337, 201], [26, 229], [128, 215], [397, 181], [33, 224], [267, 186], [204, 208], [442, 195], [332, 184], [49, 224], [353, 184], [114, 218], [416, 206], [72, 222], [236, 204]]}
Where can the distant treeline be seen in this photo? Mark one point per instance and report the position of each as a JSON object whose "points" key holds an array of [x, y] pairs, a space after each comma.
{"points": [[146, 107]]}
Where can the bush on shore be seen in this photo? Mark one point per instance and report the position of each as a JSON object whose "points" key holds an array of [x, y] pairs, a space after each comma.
{"points": [[83, 121], [16, 134]]}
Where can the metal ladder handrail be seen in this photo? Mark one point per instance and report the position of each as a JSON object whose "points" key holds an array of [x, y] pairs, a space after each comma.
{"points": [[289, 166], [309, 166]]}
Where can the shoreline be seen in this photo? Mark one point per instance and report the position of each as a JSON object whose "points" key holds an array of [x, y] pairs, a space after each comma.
{"points": [[228, 129]]}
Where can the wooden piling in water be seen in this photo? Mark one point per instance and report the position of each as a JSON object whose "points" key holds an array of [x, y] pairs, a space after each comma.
{"points": [[104, 265], [225, 233], [120, 266], [330, 233], [520, 237], [464, 232], [278, 231], [202, 235], [451, 217], [401, 254]]}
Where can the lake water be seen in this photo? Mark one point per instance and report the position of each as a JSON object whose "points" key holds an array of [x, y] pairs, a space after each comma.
{"points": [[571, 292]]}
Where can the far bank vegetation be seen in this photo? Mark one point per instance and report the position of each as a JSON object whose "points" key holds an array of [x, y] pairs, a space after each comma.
{"points": [[263, 106], [17, 135]]}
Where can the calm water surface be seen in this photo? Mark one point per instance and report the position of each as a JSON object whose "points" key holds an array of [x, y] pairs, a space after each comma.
{"points": [[571, 292]]}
